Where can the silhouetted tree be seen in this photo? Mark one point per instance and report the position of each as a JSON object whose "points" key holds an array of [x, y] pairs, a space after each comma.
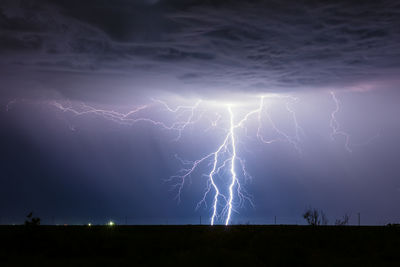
{"points": [[343, 221], [315, 217]]}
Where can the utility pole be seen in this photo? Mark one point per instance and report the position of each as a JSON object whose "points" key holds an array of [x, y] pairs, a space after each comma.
{"points": [[275, 220]]}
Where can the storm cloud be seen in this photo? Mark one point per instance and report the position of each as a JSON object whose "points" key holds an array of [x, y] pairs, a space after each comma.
{"points": [[203, 46]]}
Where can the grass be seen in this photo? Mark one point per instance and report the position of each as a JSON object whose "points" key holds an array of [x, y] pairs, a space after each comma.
{"points": [[249, 245]]}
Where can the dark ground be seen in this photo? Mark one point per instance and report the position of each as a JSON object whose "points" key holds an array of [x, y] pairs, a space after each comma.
{"points": [[199, 245]]}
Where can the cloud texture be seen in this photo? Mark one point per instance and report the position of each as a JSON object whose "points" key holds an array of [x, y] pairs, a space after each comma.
{"points": [[203, 46]]}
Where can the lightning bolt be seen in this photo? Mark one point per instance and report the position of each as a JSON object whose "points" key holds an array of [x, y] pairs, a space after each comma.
{"points": [[335, 126], [226, 154], [233, 172], [226, 169], [282, 136], [337, 130], [218, 162]]}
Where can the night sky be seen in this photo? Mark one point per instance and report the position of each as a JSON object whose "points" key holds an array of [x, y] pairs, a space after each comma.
{"points": [[71, 71]]}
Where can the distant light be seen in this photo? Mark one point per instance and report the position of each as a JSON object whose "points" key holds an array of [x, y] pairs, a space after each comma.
{"points": [[89, 224], [111, 223]]}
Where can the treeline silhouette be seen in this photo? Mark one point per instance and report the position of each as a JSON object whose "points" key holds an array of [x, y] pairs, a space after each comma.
{"points": [[317, 217]]}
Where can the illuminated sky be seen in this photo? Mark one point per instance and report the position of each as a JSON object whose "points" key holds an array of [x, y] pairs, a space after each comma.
{"points": [[118, 55]]}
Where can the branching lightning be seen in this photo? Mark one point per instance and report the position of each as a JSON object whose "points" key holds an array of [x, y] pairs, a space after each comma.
{"points": [[224, 169], [130, 117], [224, 203], [223, 178]]}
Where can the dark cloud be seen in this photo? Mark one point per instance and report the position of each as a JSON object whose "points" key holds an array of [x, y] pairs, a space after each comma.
{"points": [[244, 45]]}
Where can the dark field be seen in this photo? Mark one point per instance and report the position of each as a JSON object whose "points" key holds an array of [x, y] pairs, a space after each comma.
{"points": [[199, 245]]}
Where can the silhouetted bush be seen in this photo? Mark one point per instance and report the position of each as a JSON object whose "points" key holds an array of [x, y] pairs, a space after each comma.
{"points": [[343, 221], [32, 221]]}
